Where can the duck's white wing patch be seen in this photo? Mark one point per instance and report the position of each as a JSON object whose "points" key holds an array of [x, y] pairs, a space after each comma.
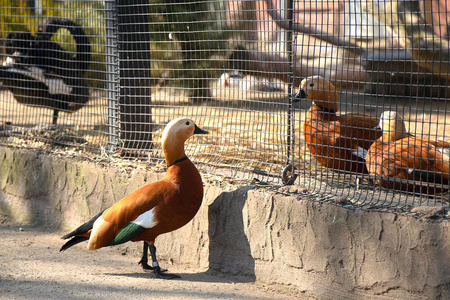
{"points": [[33, 72], [58, 87], [361, 152], [146, 219], [55, 86], [445, 152]]}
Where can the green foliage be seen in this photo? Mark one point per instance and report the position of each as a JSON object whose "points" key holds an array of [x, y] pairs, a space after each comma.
{"points": [[16, 15], [186, 34]]}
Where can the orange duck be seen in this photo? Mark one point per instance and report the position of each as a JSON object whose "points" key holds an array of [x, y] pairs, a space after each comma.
{"points": [[403, 162], [337, 141], [156, 208]]}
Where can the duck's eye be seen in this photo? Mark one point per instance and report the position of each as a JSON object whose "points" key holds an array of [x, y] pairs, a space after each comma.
{"points": [[311, 85], [187, 123]]}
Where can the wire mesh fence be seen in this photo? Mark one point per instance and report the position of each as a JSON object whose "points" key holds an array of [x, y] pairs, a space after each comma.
{"points": [[290, 91], [194, 48]]}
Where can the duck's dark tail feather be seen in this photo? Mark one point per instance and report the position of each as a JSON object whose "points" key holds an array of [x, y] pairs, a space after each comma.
{"points": [[427, 175], [73, 241], [76, 234]]}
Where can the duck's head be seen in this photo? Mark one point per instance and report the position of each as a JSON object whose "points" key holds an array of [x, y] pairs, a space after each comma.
{"points": [[320, 91], [393, 126], [174, 135]]}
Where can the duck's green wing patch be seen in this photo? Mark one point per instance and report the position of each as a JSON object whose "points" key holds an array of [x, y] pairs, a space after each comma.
{"points": [[129, 232]]}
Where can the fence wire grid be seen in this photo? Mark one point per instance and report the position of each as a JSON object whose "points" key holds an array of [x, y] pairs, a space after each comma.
{"points": [[290, 91]]}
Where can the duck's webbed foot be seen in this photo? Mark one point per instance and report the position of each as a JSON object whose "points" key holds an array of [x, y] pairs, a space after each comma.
{"points": [[159, 273], [145, 265]]}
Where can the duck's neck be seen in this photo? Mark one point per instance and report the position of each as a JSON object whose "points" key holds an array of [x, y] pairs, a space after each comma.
{"points": [[324, 114], [393, 136], [177, 161], [326, 100], [173, 153], [324, 109]]}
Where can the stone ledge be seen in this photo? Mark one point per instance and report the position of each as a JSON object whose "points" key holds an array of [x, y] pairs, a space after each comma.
{"points": [[322, 249]]}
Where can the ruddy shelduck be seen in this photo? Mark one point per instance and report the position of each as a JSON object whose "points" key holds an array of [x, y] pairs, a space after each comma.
{"points": [[337, 141], [405, 162], [156, 208]]}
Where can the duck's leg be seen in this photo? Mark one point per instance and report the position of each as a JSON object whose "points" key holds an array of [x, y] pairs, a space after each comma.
{"points": [[55, 116], [158, 272], [144, 259]]}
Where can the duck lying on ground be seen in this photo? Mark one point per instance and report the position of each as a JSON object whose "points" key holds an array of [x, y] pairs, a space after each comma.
{"points": [[337, 141], [402, 161]]}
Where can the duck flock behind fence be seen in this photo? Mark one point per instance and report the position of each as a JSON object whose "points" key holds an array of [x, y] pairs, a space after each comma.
{"points": [[347, 99]]}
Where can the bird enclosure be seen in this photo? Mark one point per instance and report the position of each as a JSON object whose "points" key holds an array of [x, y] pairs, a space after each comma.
{"points": [[102, 78]]}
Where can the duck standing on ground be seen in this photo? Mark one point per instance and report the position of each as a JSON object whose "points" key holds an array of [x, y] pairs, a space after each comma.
{"points": [[338, 142], [401, 161], [156, 208]]}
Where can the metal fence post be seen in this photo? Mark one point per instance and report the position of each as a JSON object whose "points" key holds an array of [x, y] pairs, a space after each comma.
{"points": [[112, 70], [288, 174]]}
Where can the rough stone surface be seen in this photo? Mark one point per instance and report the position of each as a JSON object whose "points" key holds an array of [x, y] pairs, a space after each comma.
{"points": [[322, 249]]}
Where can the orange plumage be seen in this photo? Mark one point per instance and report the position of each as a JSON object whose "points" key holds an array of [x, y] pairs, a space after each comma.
{"points": [[338, 142], [156, 208], [401, 161], [175, 200]]}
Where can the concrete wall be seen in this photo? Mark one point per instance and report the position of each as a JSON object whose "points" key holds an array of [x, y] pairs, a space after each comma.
{"points": [[322, 249]]}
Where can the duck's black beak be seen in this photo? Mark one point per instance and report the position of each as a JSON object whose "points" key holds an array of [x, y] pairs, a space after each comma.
{"points": [[300, 95], [198, 130]]}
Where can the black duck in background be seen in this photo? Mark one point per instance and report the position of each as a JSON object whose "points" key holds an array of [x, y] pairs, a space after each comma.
{"points": [[39, 72]]}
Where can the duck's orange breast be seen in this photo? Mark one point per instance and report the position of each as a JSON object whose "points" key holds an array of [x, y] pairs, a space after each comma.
{"points": [[334, 139]]}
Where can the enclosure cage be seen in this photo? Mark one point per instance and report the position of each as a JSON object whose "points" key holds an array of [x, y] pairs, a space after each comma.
{"points": [[290, 91]]}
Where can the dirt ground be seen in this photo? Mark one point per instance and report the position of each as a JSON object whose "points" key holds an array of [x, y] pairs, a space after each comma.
{"points": [[33, 268]]}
